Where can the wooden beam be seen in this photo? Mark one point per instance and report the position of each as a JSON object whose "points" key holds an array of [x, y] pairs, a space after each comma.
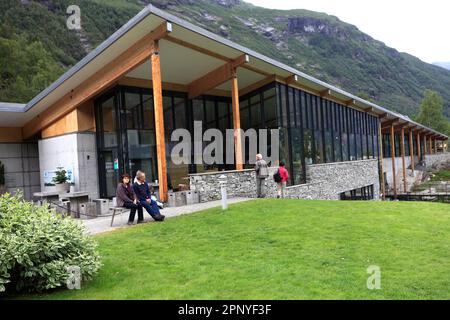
{"points": [[411, 151], [394, 178], [380, 139], [324, 93], [216, 77], [170, 86], [370, 109], [236, 122], [388, 124], [382, 115], [405, 182], [291, 79], [257, 85], [159, 122], [98, 82], [350, 102]]}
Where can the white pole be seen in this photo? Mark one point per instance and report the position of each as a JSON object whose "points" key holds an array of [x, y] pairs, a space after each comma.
{"points": [[223, 191]]}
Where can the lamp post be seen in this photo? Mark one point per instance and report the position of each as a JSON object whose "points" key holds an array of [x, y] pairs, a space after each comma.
{"points": [[223, 191]]}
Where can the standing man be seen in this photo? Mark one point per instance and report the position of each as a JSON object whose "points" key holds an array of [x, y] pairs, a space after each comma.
{"points": [[262, 172]]}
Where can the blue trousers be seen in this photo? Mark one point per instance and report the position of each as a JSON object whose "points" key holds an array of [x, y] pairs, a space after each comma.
{"points": [[152, 208]]}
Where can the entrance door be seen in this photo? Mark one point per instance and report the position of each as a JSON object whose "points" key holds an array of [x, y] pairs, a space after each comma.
{"points": [[109, 173]]}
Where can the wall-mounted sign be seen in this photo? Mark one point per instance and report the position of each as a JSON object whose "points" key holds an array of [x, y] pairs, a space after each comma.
{"points": [[116, 164], [49, 174]]}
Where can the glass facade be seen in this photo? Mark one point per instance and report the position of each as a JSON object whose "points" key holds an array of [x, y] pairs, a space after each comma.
{"points": [[313, 130], [397, 145]]}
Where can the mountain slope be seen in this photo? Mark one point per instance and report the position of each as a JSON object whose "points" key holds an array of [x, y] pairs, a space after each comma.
{"points": [[315, 43]]}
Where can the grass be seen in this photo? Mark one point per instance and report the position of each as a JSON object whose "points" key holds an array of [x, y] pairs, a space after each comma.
{"points": [[278, 249]]}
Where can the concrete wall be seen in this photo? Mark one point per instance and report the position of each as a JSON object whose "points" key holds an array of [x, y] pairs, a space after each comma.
{"points": [[21, 162], [77, 151], [327, 181], [387, 166]]}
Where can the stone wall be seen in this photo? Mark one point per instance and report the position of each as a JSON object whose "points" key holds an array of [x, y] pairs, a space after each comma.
{"points": [[432, 159], [21, 161], [327, 181], [77, 151]]}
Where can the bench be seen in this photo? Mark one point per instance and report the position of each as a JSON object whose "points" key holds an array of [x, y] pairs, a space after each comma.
{"points": [[117, 210]]}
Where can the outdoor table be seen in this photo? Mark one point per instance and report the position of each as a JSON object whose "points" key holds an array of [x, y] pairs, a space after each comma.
{"points": [[76, 199], [49, 196]]}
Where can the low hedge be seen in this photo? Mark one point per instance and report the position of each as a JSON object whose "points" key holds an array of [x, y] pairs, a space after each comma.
{"points": [[37, 246]]}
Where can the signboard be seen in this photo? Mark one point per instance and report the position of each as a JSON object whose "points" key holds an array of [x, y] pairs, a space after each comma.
{"points": [[116, 164], [49, 174]]}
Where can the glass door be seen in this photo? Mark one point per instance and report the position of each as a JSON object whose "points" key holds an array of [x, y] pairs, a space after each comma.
{"points": [[109, 140], [109, 173]]}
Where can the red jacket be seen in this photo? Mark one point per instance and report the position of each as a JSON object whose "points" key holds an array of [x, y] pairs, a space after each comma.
{"points": [[284, 174]]}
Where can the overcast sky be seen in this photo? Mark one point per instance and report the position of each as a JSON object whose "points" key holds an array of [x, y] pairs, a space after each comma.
{"points": [[419, 27]]}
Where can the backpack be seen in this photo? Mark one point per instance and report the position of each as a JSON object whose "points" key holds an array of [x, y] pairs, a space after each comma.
{"points": [[277, 176]]}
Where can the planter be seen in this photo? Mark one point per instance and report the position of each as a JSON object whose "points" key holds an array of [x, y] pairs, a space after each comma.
{"points": [[62, 187]]}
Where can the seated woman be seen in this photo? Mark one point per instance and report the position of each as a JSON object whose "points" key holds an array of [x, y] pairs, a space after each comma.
{"points": [[127, 198], [142, 191]]}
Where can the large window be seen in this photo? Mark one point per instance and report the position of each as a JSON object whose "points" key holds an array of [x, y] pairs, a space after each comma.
{"points": [[329, 131], [313, 130]]}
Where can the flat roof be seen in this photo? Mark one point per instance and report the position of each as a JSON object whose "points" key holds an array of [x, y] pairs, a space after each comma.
{"points": [[147, 20], [12, 107]]}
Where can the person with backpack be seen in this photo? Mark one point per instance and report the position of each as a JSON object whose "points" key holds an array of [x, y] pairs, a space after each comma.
{"points": [[262, 172], [281, 177]]}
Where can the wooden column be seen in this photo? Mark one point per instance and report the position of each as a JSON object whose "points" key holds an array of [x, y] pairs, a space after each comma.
{"points": [[236, 121], [435, 146], [411, 151], [425, 147], [418, 147], [394, 178], [431, 145], [159, 121], [405, 183], [380, 139]]}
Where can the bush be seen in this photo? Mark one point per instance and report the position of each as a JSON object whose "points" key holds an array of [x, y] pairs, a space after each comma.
{"points": [[37, 246]]}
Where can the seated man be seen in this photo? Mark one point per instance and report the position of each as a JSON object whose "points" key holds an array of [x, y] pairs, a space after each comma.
{"points": [[142, 191]]}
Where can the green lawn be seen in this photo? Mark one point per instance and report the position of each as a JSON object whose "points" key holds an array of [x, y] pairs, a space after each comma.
{"points": [[279, 249]]}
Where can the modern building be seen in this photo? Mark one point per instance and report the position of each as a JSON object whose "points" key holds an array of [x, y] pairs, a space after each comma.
{"points": [[116, 109]]}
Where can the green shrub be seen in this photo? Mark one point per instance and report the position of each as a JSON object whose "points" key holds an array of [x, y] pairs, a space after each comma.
{"points": [[37, 246], [60, 176]]}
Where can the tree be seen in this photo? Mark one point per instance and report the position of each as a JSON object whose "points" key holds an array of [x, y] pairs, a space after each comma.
{"points": [[431, 112]]}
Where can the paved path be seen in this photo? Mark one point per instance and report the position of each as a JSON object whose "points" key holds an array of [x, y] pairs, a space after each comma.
{"points": [[102, 224]]}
